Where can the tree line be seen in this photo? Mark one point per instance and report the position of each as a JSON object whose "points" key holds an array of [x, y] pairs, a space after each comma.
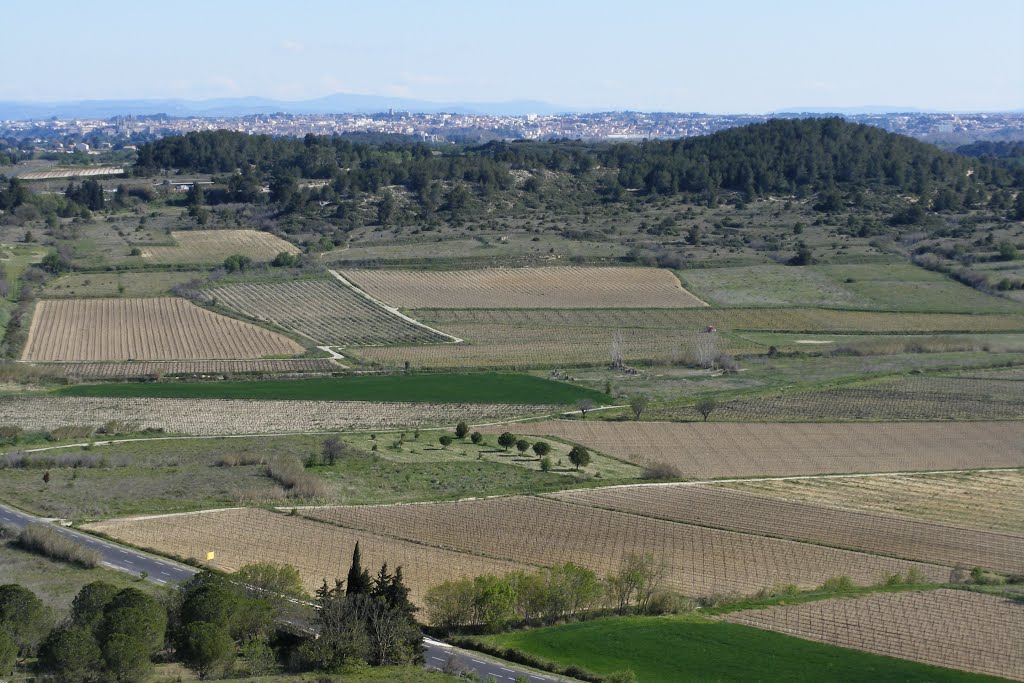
{"points": [[257, 618]]}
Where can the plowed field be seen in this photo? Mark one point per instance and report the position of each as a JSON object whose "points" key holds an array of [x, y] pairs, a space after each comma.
{"points": [[216, 416], [318, 551], [723, 508], [984, 500], [539, 531], [144, 329], [711, 450], [956, 629], [213, 246], [556, 287]]}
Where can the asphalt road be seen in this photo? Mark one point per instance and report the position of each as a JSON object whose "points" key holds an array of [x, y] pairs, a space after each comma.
{"points": [[165, 572]]}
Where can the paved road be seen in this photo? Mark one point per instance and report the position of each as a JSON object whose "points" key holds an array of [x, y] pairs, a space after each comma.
{"points": [[164, 572], [128, 560]]}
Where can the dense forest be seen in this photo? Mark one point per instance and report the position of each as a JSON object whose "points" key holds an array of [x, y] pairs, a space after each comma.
{"points": [[780, 156]]}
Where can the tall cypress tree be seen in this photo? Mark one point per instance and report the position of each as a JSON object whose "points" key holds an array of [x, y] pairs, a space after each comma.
{"points": [[358, 581]]}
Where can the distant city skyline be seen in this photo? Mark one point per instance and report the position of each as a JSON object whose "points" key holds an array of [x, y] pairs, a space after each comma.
{"points": [[747, 57]]}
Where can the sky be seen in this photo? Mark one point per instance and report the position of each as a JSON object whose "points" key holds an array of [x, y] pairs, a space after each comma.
{"points": [[712, 56]]}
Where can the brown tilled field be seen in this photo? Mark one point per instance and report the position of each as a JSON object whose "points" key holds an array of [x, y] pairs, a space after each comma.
{"points": [[237, 416], [716, 450], [542, 532], [951, 628], [319, 551], [145, 369], [983, 500], [723, 508], [555, 287], [213, 246], [144, 329]]}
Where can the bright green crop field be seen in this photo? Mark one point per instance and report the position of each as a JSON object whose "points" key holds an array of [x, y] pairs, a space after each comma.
{"points": [[689, 648]]}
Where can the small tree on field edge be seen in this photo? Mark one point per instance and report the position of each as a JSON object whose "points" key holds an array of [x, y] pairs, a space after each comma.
{"points": [[445, 441], [476, 437], [541, 448], [579, 456], [506, 440], [638, 404], [584, 405], [461, 430], [706, 406], [522, 445]]}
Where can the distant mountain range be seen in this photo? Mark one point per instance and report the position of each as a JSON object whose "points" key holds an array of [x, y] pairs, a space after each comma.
{"points": [[340, 103]]}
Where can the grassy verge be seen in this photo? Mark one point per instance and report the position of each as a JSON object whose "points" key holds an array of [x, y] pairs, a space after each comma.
{"points": [[440, 388], [56, 583], [692, 648]]}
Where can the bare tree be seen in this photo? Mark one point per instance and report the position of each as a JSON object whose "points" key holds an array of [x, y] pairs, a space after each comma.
{"points": [[618, 361], [584, 404], [706, 406], [638, 404], [705, 349], [635, 583]]}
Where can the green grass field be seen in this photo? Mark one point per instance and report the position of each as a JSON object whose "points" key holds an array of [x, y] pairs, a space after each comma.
{"points": [[127, 284], [440, 388], [182, 475], [57, 583], [671, 649]]}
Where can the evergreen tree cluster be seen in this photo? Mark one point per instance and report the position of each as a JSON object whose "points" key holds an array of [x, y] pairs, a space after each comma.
{"points": [[783, 156]]}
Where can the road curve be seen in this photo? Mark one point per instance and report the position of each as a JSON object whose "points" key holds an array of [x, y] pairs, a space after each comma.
{"points": [[167, 572]]}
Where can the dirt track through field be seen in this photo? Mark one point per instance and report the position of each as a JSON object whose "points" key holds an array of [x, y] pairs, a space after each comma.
{"points": [[716, 450], [144, 329]]}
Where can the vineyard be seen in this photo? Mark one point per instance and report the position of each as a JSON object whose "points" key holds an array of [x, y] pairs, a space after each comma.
{"points": [[551, 337], [905, 398], [213, 416], [867, 532], [144, 329], [148, 369], [213, 246], [436, 541], [811, 320], [952, 628], [490, 346], [58, 173], [325, 311], [319, 551], [983, 500], [554, 287], [710, 450], [541, 532]]}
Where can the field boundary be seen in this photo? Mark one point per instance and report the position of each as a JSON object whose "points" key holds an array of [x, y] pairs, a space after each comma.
{"points": [[391, 309]]}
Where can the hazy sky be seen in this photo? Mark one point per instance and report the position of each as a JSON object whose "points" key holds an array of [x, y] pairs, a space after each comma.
{"points": [[714, 56]]}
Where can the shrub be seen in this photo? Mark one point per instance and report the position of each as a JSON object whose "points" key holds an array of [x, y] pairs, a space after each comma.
{"points": [[47, 541], [661, 470], [293, 478], [476, 437], [838, 584]]}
